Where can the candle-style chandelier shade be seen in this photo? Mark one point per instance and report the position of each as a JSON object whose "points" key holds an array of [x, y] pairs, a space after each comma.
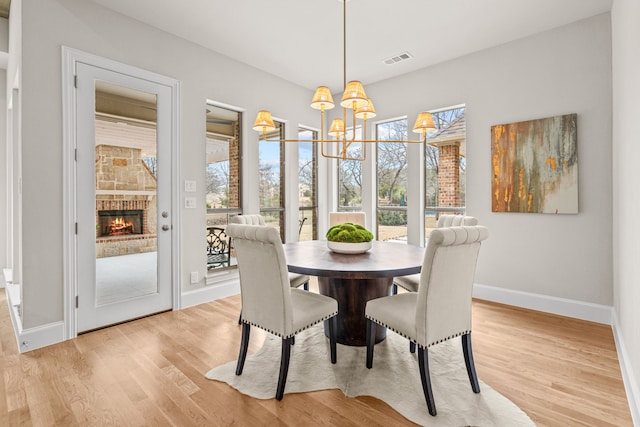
{"points": [[354, 98]]}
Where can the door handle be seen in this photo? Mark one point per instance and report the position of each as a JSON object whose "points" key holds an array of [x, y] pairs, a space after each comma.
{"points": [[165, 228]]}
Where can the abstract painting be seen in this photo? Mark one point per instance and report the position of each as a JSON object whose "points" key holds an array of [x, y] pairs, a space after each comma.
{"points": [[535, 166]]}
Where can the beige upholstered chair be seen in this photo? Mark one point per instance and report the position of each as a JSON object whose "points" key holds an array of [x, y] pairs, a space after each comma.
{"points": [[411, 282], [268, 301], [340, 217], [455, 220], [295, 280], [441, 309]]}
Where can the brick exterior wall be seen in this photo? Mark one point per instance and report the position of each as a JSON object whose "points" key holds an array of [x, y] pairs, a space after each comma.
{"points": [[234, 168], [449, 175]]}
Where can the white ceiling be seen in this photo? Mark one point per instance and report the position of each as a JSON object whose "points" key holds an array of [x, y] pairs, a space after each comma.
{"points": [[301, 40]]}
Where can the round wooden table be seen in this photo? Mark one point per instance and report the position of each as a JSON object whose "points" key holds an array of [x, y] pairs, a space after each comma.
{"points": [[354, 279]]}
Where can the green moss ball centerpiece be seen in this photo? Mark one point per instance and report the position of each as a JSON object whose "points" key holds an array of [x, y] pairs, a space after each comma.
{"points": [[349, 238]]}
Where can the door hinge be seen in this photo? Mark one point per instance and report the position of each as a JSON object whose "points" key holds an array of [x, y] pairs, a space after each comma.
{"points": [[76, 301], [75, 154], [75, 81], [76, 228]]}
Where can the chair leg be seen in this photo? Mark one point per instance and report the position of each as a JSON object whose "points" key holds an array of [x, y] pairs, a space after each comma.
{"points": [[240, 319], [284, 367], [332, 337], [423, 362], [244, 345], [468, 360], [305, 286], [412, 347], [394, 289], [371, 341]]}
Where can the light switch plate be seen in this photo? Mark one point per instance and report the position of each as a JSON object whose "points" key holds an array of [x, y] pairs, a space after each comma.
{"points": [[189, 186]]}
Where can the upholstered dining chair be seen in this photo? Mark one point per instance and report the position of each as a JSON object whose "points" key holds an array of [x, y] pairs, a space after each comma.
{"points": [[441, 309], [295, 280], [341, 217], [411, 282], [268, 302]]}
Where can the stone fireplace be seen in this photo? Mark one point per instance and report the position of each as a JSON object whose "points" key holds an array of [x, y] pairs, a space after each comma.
{"points": [[125, 202]]}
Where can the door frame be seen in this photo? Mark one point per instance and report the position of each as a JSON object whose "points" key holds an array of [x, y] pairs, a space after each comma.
{"points": [[70, 58]]}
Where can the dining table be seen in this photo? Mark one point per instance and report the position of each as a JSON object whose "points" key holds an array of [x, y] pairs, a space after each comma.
{"points": [[354, 279]]}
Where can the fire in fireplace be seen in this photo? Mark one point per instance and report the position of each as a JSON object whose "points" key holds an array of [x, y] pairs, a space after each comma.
{"points": [[119, 222]]}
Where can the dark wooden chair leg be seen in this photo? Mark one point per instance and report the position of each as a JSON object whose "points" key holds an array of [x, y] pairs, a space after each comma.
{"points": [[284, 367], [371, 341], [244, 345], [394, 289], [423, 362], [293, 340], [240, 319], [332, 337], [305, 286], [412, 347], [468, 360]]}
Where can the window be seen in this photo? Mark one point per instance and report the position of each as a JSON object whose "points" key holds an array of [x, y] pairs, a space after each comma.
{"points": [[307, 185], [271, 160], [445, 166], [350, 178], [223, 182], [392, 181]]}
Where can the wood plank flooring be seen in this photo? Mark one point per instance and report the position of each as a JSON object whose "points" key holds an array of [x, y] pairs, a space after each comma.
{"points": [[150, 372]]}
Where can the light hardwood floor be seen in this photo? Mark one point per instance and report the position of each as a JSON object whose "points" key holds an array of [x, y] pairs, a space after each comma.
{"points": [[560, 371]]}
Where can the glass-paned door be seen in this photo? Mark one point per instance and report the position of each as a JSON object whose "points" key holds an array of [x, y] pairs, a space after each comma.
{"points": [[124, 197]]}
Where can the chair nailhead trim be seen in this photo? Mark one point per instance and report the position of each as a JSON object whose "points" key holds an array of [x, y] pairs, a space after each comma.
{"points": [[414, 341], [294, 333]]}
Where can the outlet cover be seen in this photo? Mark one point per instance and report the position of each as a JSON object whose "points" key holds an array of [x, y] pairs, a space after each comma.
{"points": [[190, 202], [194, 277]]}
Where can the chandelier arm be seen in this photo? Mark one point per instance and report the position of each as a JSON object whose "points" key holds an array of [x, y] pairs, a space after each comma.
{"points": [[366, 141], [353, 136], [322, 122]]}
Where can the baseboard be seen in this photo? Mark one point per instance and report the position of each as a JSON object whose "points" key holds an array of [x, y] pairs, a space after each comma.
{"points": [[15, 317], [8, 277], [34, 338], [630, 385], [210, 293], [548, 304], [41, 336]]}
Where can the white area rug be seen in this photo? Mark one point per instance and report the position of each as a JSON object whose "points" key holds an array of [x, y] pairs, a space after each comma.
{"points": [[394, 378]]}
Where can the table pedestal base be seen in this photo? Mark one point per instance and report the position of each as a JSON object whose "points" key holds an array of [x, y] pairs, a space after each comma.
{"points": [[352, 296]]}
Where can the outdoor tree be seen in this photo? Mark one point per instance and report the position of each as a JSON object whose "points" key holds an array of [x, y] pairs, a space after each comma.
{"points": [[350, 180], [392, 163]]}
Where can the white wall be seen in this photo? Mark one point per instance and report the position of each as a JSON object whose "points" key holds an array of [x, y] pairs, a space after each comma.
{"points": [[49, 24], [562, 71], [4, 210], [625, 17]]}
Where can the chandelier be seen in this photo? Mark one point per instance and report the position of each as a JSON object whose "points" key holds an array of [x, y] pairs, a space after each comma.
{"points": [[353, 98]]}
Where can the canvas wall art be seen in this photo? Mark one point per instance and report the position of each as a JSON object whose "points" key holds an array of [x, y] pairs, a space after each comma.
{"points": [[535, 166]]}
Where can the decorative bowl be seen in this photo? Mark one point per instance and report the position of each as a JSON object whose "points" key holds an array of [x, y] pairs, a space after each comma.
{"points": [[349, 248]]}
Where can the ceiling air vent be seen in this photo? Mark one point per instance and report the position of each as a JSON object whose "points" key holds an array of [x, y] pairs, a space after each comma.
{"points": [[404, 56]]}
